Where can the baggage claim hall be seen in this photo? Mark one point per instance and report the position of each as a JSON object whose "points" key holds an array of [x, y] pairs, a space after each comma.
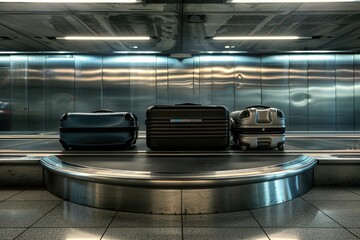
{"points": [[179, 119]]}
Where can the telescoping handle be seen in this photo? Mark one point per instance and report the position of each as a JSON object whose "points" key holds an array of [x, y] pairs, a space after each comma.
{"points": [[188, 104], [103, 111], [258, 106]]}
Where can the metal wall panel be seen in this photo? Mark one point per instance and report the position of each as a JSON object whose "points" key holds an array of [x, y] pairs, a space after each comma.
{"points": [[357, 91], [142, 86], [162, 81], [247, 81], [5, 88], [88, 83], [59, 89], [196, 87], [275, 82], [36, 87], [205, 73], [344, 92], [298, 108], [181, 81], [321, 88], [116, 83], [19, 93], [223, 81]]}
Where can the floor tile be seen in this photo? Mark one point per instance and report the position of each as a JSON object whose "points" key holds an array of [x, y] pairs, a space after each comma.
{"points": [[346, 213], [36, 193], [295, 213], [62, 233], [74, 215], [309, 233], [236, 219], [354, 189], [145, 220], [330, 193], [143, 233], [10, 233], [224, 233], [24, 213], [355, 231], [7, 192]]}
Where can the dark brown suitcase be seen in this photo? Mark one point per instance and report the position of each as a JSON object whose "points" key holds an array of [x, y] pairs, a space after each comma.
{"points": [[187, 127]]}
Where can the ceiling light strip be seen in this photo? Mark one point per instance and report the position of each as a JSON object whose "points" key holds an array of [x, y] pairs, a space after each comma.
{"points": [[288, 1], [75, 38], [245, 38], [70, 1]]}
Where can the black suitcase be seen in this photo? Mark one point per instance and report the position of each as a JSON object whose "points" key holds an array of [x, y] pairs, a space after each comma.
{"points": [[101, 128], [187, 127]]}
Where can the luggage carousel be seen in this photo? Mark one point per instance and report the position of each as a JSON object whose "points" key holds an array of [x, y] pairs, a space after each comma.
{"points": [[178, 182], [191, 182]]}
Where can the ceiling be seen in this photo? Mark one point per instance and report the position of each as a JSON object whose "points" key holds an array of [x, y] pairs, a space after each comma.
{"points": [[179, 27]]}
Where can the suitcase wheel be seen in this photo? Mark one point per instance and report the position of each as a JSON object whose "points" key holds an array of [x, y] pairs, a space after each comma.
{"points": [[281, 147], [65, 146], [244, 147]]}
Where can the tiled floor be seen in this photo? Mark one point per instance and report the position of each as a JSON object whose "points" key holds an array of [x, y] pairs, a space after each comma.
{"points": [[322, 213]]}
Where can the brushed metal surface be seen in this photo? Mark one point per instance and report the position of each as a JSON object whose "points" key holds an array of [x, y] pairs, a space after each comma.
{"points": [[116, 83], [205, 75], [275, 82], [357, 91], [19, 92], [317, 92], [222, 76], [59, 89], [114, 197], [36, 86], [321, 89], [344, 92], [88, 83], [181, 80], [5, 111], [142, 86], [247, 196], [187, 193], [298, 117], [196, 86], [247, 81], [162, 80], [169, 178]]}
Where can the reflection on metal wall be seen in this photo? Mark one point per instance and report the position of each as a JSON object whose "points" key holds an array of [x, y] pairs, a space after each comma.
{"points": [[142, 86], [88, 83], [316, 92], [36, 88], [19, 92], [321, 89], [5, 120], [275, 82], [247, 81], [357, 91], [116, 83], [344, 92], [298, 85], [59, 89]]}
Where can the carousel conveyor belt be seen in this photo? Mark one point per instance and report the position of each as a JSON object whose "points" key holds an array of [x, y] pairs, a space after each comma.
{"points": [[180, 182]]}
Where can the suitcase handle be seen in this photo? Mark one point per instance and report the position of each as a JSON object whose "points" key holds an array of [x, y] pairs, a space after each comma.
{"points": [[188, 104], [103, 111], [258, 106]]}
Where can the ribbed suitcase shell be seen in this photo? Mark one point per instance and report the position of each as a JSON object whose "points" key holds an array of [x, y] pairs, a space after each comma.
{"points": [[100, 129], [182, 127], [258, 126]]}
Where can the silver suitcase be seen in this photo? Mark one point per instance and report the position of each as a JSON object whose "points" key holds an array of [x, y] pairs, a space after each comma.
{"points": [[258, 127]]}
